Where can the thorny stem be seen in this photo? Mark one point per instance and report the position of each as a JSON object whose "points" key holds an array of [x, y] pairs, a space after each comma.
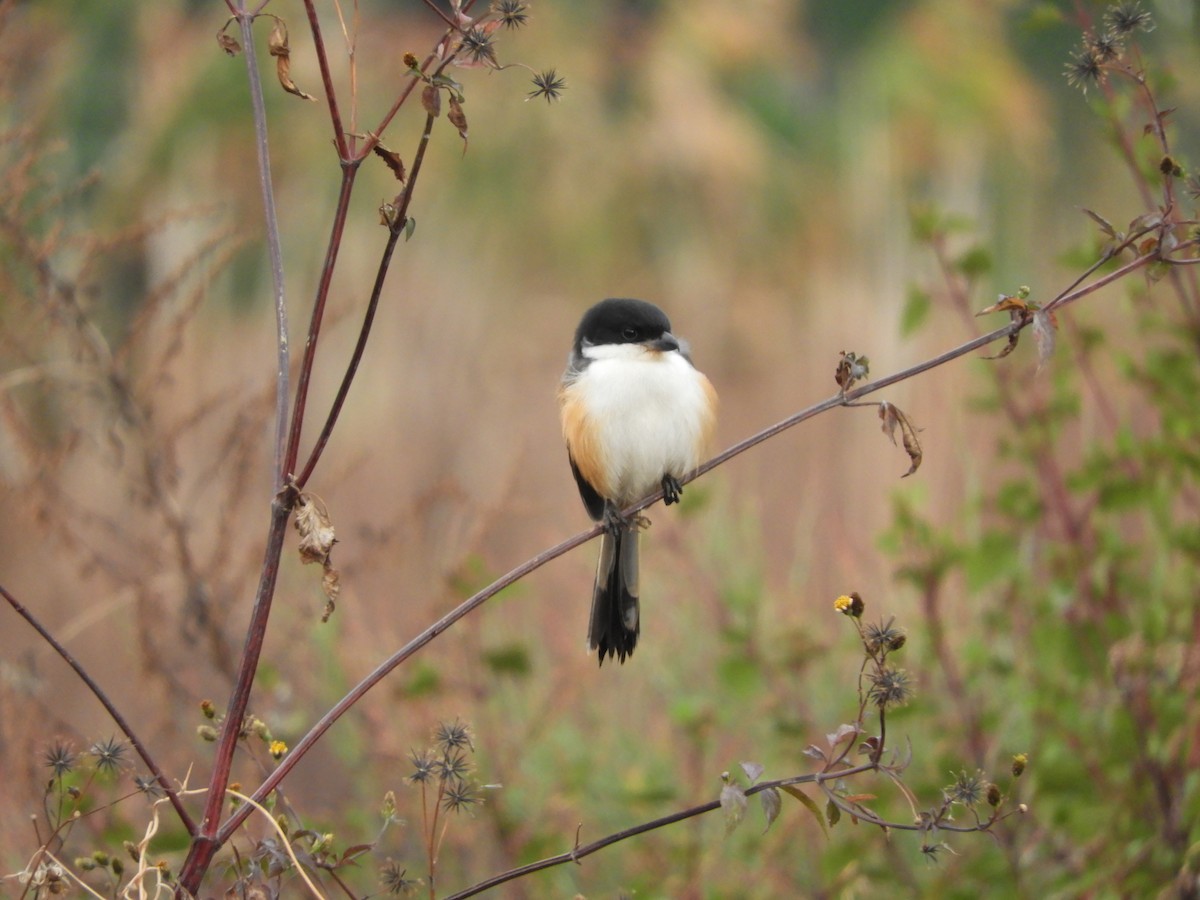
{"points": [[110, 708]]}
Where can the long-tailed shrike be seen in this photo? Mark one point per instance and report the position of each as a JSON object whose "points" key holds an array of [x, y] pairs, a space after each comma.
{"points": [[636, 415]]}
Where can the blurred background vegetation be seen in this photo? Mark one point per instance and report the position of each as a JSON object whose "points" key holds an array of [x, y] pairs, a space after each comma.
{"points": [[753, 168]]}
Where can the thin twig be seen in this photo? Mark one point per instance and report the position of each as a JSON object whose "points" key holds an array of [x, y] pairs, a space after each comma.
{"points": [[394, 232], [274, 250], [581, 850], [335, 115], [97, 691], [531, 565]]}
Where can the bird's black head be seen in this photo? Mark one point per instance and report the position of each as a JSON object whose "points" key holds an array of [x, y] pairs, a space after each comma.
{"points": [[622, 321]]}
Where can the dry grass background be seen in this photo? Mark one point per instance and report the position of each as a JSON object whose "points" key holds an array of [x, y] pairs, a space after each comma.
{"points": [[749, 167]]}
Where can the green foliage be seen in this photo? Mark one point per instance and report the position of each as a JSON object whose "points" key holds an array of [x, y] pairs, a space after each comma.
{"points": [[1082, 565]]}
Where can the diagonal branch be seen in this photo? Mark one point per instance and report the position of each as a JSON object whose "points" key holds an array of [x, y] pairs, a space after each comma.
{"points": [[98, 692], [582, 850], [531, 565]]}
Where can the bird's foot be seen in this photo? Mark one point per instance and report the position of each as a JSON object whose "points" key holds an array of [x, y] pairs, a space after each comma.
{"points": [[616, 522], [672, 490]]}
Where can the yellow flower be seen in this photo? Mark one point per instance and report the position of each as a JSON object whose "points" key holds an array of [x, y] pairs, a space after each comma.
{"points": [[278, 748], [850, 605]]}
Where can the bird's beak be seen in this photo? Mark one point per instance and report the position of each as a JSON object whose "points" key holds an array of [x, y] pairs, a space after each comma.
{"points": [[664, 344]]}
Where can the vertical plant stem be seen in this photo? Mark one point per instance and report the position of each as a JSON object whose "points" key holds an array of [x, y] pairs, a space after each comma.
{"points": [[207, 840], [274, 249]]}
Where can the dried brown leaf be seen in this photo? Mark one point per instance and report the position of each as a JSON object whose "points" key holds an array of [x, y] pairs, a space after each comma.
{"points": [[1011, 304], [315, 528], [1008, 348], [331, 584], [851, 368], [277, 43], [859, 799], [228, 43], [317, 538], [893, 417], [392, 160], [458, 119], [431, 100]]}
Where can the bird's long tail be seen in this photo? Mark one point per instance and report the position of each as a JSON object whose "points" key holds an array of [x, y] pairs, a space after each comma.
{"points": [[616, 619]]}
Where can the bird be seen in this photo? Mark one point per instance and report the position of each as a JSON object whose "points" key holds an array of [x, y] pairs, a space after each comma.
{"points": [[636, 415]]}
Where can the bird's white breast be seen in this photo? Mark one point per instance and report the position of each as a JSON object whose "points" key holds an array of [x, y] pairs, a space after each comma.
{"points": [[651, 414]]}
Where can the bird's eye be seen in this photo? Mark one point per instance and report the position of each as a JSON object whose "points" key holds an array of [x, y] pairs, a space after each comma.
{"points": [[629, 333]]}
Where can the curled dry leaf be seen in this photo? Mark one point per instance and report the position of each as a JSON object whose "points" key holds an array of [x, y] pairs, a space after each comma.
{"points": [[387, 214], [431, 100], [277, 43], [317, 538], [392, 160], [458, 119], [1005, 303], [331, 584], [1018, 310], [1009, 347], [893, 417], [228, 43], [851, 368], [315, 529]]}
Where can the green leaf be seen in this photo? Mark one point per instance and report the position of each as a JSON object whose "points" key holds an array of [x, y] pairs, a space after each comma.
{"points": [[915, 312], [811, 805], [509, 659], [833, 813], [425, 680], [974, 262], [740, 676], [770, 805]]}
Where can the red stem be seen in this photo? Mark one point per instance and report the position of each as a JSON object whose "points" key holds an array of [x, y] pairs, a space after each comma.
{"points": [[335, 115], [349, 170], [208, 839]]}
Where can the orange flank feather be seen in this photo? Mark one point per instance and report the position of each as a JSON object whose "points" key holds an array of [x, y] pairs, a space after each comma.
{"points": [[581, 441]]}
